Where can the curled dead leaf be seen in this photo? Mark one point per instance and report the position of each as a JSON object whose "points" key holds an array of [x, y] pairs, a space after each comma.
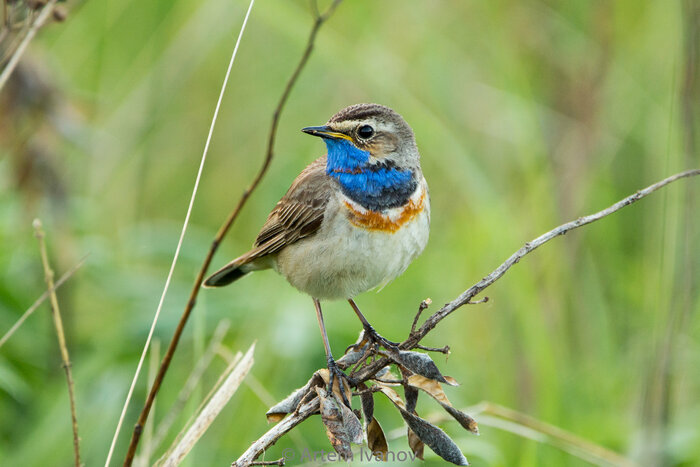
{"points": [[428, 433], [416, 445], [342, 425], [290, 403], [376, 440]]}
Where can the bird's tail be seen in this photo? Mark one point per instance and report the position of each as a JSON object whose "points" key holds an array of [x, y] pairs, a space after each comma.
{"points": [[236, 269]]}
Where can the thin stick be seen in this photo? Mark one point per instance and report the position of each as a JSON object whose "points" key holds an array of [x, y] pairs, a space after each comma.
{"points": [[166, 360], [368, 372], [58, 323], [217, 240], [67, 275], [19, 51]]}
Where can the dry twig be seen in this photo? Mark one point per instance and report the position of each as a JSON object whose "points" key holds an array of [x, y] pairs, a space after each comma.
{"points": [[58, 323], [67, 275], [31, 32], [309, 403]]}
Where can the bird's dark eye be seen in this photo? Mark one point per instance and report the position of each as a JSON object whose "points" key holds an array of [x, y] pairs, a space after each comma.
{"points": [[365, 132]]}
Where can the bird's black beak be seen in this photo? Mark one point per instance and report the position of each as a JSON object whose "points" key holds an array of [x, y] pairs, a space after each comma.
{"points": [[324, 131]]}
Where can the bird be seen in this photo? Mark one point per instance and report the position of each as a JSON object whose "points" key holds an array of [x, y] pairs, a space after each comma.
{"points": [[352, 220]]}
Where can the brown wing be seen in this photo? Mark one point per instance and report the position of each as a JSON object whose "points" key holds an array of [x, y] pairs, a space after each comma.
{"points": [[297, 215], [300, 211]]}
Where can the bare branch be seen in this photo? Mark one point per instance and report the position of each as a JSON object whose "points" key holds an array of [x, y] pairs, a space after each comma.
{"points": [[276, 432], [58, 323]]}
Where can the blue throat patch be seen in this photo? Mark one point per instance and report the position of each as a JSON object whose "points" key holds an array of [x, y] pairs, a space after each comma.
{"points": [[376, 187]]}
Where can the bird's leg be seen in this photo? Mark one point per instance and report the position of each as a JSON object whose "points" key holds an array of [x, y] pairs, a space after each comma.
{"points": [[333, 370], [370, 333]]}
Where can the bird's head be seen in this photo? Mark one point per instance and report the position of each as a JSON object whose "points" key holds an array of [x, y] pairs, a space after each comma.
{"points": [[367, 135]]}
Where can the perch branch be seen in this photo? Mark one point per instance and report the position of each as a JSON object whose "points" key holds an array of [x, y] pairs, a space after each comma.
{"points": [[415, 336], [223, 230], [58, 323], [31, 32]]}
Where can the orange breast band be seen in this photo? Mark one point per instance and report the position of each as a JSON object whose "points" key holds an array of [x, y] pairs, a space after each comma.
{"points": [[372, 220]]}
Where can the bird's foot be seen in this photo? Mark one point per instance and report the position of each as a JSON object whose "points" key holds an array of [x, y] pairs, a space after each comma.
{"points": [[344, 381], [374, 337]]}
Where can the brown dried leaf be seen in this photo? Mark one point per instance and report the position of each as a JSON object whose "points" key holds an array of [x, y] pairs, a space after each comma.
{"points": [[419, 363], [417, 446], [342, 425], [451, 381], [376, 439], [434, 388], [392, 395], [430, 386]]}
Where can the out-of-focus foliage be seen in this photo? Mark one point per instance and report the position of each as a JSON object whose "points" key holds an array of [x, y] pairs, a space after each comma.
{"points": [[527, 114]]}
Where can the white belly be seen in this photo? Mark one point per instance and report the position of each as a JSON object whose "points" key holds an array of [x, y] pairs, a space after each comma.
{"points": [[342, 260]]}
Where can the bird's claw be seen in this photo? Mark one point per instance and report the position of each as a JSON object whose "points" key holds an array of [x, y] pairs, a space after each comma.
{"points": [[374, 337], [335, 372]]}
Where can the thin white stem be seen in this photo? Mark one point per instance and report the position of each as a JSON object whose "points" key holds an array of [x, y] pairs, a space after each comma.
{"points": [[182, 236]]}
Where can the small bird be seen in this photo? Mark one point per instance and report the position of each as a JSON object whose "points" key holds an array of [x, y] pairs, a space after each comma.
{"points": [[352, 220]]}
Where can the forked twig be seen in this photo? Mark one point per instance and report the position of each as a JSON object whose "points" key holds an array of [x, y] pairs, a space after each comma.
{"points": [[223, 230], [369, 371], [58, 324]]}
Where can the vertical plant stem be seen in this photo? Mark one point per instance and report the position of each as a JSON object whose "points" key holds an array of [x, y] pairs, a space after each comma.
{"points": [[58, 323]]}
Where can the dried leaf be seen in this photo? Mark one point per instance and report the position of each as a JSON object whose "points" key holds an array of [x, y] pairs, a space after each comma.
{"points": [[417, 446], [392, 395], [342, 425], [435, 438], [451, 381], [286, 406], [411, 395], [430, 386], [434, 388], [367, 400], [292, 401], [376, 439], [419, 363], [465, 420], [428, 433]]}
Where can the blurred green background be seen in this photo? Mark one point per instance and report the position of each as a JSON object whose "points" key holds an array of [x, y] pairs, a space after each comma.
{"points": [[527, 113]]}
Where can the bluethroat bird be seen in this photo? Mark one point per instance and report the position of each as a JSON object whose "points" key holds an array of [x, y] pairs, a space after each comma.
{"points": [[351, 221]]}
